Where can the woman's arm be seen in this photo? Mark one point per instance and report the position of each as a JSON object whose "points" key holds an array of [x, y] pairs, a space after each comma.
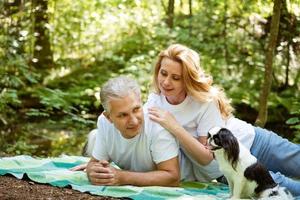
{"points": [[193, 146]]}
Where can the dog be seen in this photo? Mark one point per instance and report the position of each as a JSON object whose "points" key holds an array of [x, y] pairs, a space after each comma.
{"points": [[246, 176]]}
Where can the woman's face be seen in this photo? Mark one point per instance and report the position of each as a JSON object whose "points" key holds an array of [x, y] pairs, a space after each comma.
{"points": [[170, 81]]}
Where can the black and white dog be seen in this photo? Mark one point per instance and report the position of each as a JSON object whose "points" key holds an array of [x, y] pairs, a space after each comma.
{"points": [[247, 178]]}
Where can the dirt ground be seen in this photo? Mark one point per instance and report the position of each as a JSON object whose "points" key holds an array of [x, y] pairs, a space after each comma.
{"points": [[12, 188]]}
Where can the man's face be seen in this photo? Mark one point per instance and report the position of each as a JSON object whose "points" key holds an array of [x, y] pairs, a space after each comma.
{"points": [[127, 115]]}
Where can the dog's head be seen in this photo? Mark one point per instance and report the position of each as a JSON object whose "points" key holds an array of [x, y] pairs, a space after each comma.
{"points": [[222, 138]]}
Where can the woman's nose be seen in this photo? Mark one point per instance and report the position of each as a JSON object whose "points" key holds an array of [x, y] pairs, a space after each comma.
{"points": [[167, 81]]}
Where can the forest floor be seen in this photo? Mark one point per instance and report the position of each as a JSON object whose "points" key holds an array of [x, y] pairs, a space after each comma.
{"points": [[12, 188]]}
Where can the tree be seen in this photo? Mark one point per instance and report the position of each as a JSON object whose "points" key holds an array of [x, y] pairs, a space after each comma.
{"points": [[12, 10], [265, 90], [170, 13], [42, 54]]}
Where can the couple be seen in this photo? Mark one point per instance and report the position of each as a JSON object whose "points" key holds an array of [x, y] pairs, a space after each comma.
{"points": [[187, 105]]}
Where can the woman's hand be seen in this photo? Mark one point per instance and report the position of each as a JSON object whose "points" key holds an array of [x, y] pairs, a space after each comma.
{"points": [[195, 147], [164, 118]]}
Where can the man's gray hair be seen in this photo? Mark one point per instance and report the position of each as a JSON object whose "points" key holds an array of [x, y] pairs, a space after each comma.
{"points": [[118, 87]]}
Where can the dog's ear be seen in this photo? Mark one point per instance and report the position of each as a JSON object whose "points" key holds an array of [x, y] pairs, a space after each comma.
{"points": [[224, 138], [218, 140], [230, 145]]}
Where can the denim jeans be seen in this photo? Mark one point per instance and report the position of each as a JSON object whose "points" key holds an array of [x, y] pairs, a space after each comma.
{"points": [[280, 156]]}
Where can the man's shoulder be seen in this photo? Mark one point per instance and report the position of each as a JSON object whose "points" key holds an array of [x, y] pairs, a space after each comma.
{"points": [[104, 124], [102, 119], [152, 128]]}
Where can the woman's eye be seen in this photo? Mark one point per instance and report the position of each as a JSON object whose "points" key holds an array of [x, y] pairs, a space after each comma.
{"points": [[163, 73], [176, 78]]}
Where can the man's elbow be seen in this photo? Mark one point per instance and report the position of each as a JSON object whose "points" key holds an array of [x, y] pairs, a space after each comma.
{"points": [[175, 183], [174, 180]]}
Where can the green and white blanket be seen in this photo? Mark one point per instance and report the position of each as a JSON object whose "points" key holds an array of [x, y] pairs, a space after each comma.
{"points": [[55, 171]]}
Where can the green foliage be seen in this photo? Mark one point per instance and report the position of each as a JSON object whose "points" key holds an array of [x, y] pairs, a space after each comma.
{"points": [[294, 121], [50, 111]]}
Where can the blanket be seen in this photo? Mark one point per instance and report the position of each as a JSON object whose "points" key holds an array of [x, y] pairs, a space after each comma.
{"points": [[55, 171]]}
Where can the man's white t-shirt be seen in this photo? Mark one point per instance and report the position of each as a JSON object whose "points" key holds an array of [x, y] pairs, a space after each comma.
{"points": [[152, 146]]}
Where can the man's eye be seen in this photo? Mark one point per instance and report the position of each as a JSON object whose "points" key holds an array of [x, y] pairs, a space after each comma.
{"points": [[136, 109], [122, 115]]}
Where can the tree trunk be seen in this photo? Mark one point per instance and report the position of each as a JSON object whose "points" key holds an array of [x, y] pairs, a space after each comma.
{"points": [[263, 112], [190, 17], [226, 52], [289, 37], [287, 69], [170, 13], [13, 10], [42, 53], [190, 8]]}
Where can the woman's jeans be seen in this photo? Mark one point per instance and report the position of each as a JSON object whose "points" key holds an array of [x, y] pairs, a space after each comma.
{"points": [[280, 157]]}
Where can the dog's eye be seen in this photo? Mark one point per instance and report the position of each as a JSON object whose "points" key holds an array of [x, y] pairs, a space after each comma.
{"points": [[209, 135], [217, 141]]}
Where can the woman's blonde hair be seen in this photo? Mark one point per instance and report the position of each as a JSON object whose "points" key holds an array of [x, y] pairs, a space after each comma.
{"points": [[196, 82]]}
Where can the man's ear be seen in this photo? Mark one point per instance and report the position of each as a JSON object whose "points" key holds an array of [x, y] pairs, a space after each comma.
{"points": [[106, 114]]}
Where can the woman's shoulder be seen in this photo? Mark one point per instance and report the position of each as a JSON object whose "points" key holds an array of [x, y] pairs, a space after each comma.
{"points": [[202, 103]]}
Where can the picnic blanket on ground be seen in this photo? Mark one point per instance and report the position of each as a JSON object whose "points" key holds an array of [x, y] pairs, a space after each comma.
{"points": [[55, 171]]}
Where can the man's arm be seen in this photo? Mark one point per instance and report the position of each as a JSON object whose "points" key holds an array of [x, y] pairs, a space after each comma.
{"points": [[166, 174]]}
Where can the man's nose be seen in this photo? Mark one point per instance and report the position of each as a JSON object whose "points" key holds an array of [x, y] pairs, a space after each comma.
{"points": [[133, 120]]}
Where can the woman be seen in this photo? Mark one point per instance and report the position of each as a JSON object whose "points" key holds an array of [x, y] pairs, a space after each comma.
{"points": [[188, 105]]}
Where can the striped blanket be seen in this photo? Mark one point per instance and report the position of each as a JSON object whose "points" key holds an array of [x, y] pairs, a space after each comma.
{"points": [[55, 171]]}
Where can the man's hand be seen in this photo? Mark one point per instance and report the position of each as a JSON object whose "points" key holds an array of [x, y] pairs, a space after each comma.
{"points": [[100, 173], [166, 174], [79, 167]]}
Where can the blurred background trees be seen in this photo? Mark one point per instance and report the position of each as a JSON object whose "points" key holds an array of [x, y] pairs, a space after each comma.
{"points": [[54, 56]]}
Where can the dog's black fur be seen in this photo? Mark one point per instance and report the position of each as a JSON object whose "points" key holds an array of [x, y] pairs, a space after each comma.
{"points": [[258, 173]]}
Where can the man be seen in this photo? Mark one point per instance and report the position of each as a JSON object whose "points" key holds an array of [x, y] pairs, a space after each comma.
{"points": [[146, 152]]}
